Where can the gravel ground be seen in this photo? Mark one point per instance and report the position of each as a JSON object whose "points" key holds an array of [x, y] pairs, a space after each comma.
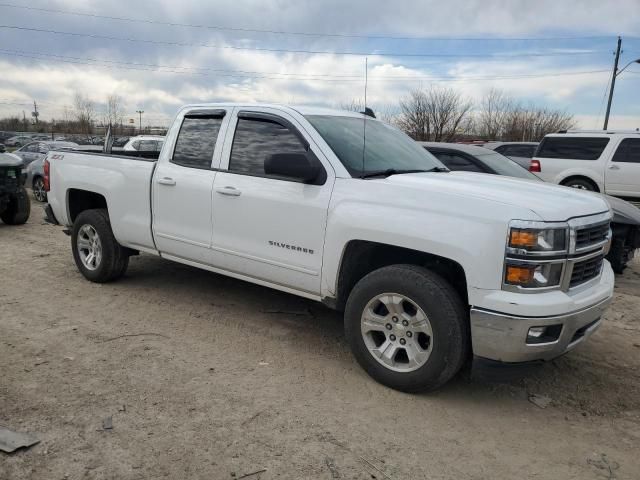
{"points": [[209, 377]]}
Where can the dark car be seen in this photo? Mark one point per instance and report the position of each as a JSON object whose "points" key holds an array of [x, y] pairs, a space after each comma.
{"points": [[14, 202], [469, 158]]}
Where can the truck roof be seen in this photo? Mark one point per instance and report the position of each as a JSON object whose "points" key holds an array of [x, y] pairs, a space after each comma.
{"points": [[301, 109]]}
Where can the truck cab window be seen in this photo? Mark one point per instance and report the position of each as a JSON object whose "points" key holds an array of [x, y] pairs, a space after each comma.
{"points": [[255, 140], [196, 142]]}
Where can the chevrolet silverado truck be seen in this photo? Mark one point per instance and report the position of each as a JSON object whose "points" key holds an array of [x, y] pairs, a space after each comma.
{"points": [[431, 268]]}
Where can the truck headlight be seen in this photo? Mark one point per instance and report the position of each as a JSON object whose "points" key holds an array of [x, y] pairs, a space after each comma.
{"points": [[524, 239], [533, 275]]}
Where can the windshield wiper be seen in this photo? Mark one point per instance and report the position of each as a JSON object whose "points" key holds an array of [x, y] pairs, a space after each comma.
{"points": [[393, 171]]}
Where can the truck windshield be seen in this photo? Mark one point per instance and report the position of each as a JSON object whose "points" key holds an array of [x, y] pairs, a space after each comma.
{"points": [[386, 148]]}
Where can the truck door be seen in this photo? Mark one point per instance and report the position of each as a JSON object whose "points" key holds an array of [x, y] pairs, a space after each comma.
{"points": [[182, 186], [622, 176], [267, 227]]}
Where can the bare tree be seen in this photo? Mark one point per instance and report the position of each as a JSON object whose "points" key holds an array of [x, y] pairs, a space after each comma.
{"points": [[502, 118], [436, 114], [495, 107], [84, 112], [414, 117], [114, 112], [532, 123]]}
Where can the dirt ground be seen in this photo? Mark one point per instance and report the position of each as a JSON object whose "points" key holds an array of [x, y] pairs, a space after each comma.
{"points": [[206, 377]]}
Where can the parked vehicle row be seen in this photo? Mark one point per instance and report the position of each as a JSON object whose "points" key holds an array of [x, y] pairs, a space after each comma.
{"points": [[341, 208], [605, 162], [626, 217], [15, 206]]}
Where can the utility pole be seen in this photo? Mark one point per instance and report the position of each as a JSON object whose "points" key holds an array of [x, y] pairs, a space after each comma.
{"points": [[140, 112], [613, 83], [35, 113]]}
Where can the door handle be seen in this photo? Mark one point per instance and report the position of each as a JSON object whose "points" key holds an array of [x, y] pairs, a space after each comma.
{"points": [[614, 167], [167, 181], [230, 191]]}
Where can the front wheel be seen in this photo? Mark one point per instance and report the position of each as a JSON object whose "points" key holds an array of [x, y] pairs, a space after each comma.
{"points": [[407, 327], [97, 253]]}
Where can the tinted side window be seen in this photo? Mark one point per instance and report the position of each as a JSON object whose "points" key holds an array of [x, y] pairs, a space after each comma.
{"points": [[457, 162], [574, 148], [628, 151], [196, 142], [502, 149], [519, 151], [136, 145], [255, 140]]}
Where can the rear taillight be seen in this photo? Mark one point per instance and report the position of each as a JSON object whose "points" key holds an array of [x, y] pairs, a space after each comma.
{"points": [[47, 185], [534, 166]]}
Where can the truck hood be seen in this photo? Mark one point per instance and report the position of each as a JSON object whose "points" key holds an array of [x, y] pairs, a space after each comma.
{"points": [[550, 202]]}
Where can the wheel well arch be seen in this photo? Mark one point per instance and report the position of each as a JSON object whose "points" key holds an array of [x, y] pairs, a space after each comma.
{"points": [[35, 177], [566, 180], [361, 257], [81, 200]]}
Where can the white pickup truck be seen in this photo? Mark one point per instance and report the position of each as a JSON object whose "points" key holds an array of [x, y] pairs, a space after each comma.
{"points": [[429, 266]]}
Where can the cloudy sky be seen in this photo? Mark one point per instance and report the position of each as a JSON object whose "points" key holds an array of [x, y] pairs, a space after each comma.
{"points": [[158, 55]]}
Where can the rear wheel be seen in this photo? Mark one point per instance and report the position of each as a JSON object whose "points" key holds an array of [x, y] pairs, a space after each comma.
{"points": [[98, 255], [18, 209], [39, 192], [581, 184], [407, 328]]}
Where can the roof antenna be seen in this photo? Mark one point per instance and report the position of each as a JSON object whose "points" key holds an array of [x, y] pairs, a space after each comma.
{"points": [[365, 115]]}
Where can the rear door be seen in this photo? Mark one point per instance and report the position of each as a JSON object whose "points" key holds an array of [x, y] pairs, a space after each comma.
{"points": [[266, 227], [182, 186], [622, 176]]}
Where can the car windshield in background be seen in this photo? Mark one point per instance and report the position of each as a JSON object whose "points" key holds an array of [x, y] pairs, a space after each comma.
{"points": [[505, 166], [386, 148]]}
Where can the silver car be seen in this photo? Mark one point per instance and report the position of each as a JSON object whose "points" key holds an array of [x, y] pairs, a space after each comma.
{"points": [[38, 150], [35, 167]]}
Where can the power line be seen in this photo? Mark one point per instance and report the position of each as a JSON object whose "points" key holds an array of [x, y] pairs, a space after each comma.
{"points": [[268, 75], [182, 69], [286, 32], [313, 52]]}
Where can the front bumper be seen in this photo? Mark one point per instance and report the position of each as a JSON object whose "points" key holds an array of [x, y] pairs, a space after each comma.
{"points": [[503, 337]]}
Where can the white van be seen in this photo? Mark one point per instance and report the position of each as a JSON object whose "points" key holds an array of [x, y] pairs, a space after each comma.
{"points": [[601, 161]]}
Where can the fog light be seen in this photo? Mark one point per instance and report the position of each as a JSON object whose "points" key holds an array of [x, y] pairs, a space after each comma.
{"points": [[546, 334], [536, 332]]}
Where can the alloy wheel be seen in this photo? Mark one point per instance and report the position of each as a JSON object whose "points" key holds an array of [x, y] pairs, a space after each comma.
{"points": [[397, 332]]}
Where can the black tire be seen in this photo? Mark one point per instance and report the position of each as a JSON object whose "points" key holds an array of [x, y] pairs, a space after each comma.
{"points": [[18, 209], [38, 189], [445, 310], [114, 260], [582, 184], [618, 256]]}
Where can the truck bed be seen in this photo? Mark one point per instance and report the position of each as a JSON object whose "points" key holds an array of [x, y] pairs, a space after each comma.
{"points": [[123, 181]]}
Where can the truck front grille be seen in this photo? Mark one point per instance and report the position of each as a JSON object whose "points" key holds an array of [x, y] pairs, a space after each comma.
{"points": [[586, 270], [591, 235]]}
